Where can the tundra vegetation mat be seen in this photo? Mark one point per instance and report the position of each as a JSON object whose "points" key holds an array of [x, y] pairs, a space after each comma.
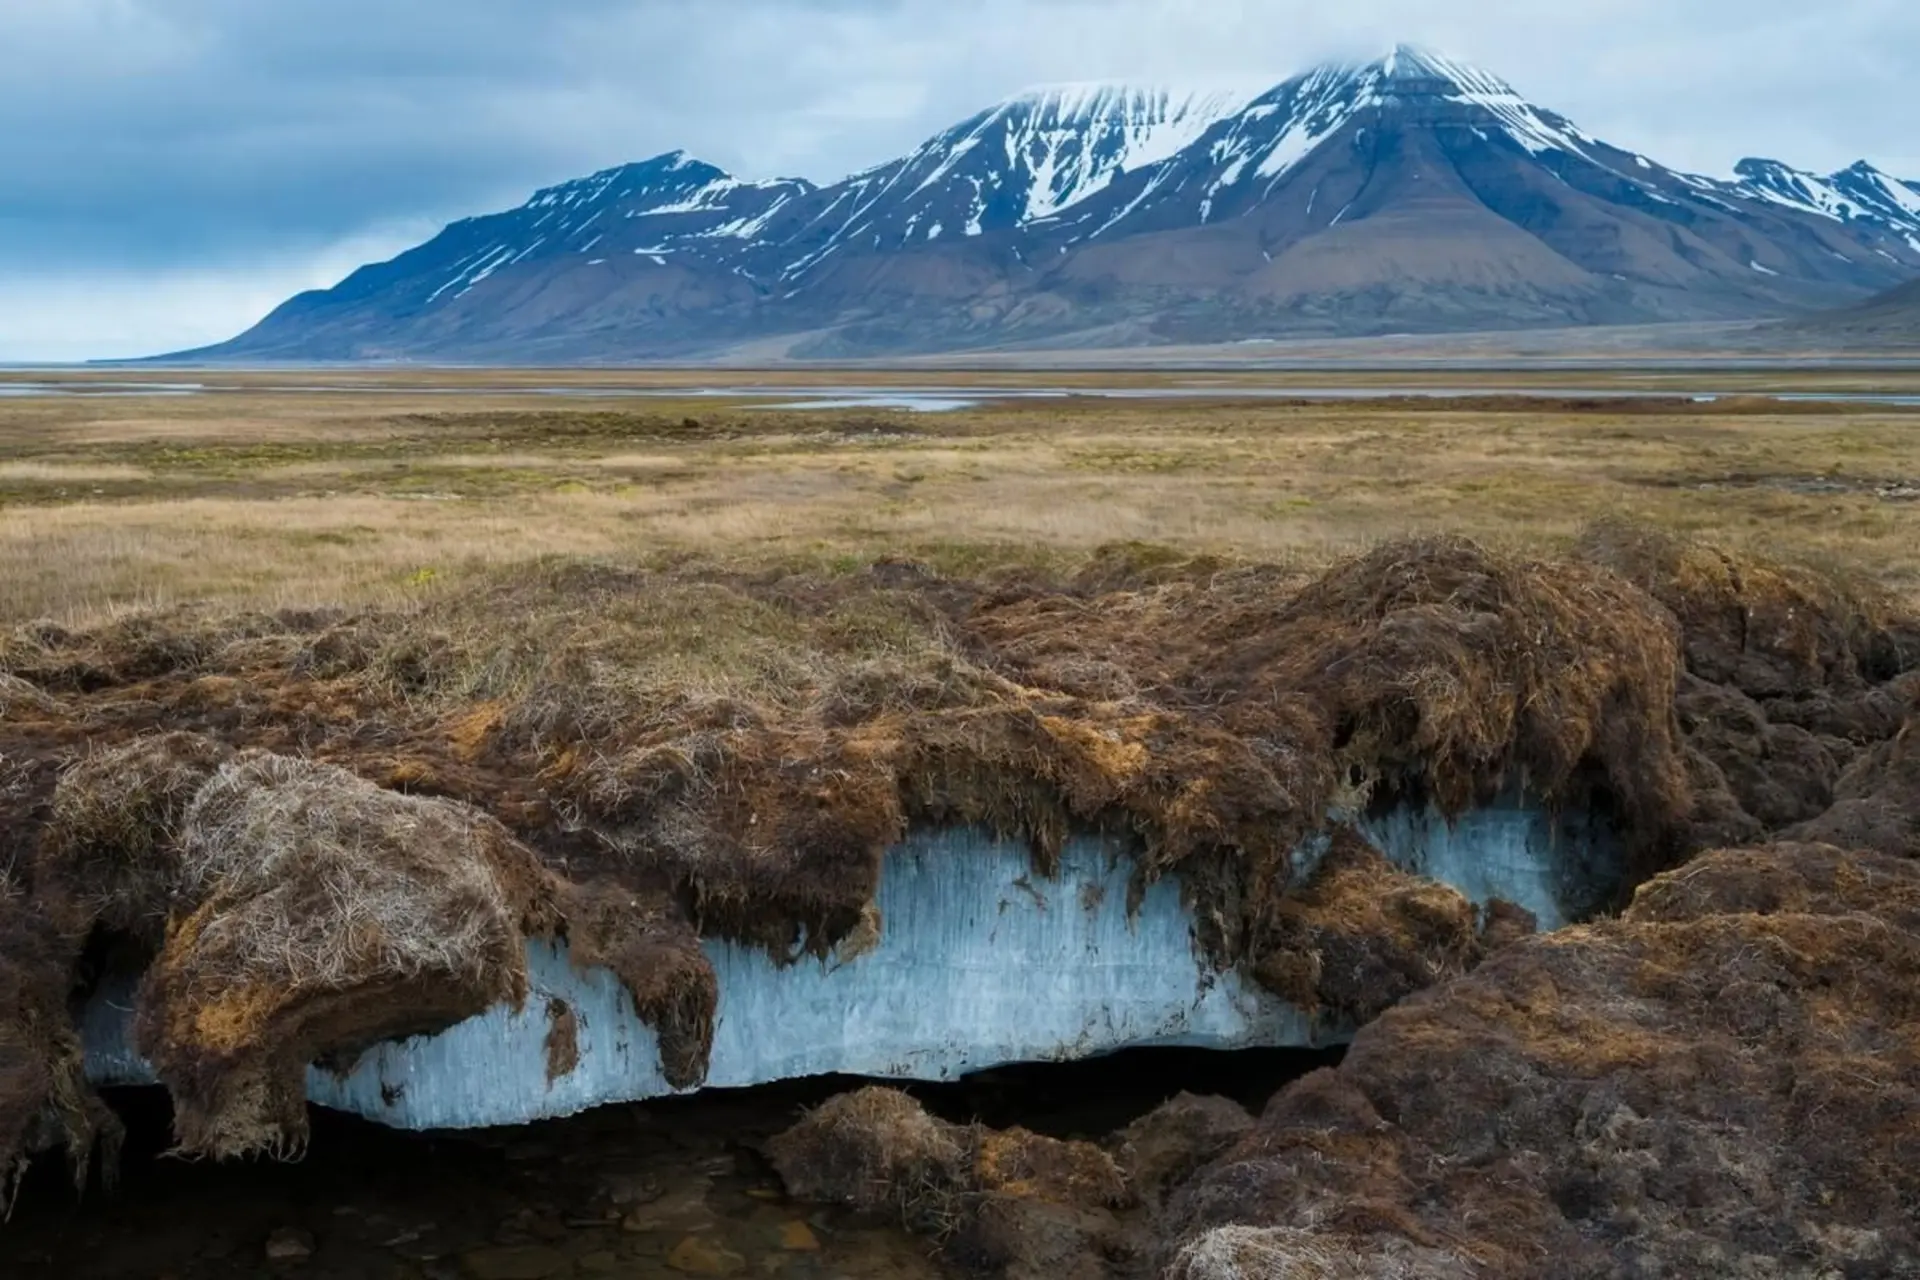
{"points": [[319, 827]]}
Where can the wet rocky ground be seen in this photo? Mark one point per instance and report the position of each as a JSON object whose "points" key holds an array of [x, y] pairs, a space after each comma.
{"points": [[664, 1189]]}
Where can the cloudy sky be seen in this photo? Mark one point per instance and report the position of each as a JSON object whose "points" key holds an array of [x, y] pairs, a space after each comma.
{"points": [[171, 169]]}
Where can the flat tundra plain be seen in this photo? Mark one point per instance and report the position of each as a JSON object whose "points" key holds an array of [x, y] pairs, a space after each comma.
{"points": [[308, 490]]}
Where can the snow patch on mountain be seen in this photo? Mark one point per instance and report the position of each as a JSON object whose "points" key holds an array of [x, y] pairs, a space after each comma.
{"points": [[1858, 192], [1530, 126], [1015, 164], [1075, 139]]}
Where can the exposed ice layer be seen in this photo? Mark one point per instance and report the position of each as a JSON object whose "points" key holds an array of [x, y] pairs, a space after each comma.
{"points": [[1562, 867], [979, 962]]}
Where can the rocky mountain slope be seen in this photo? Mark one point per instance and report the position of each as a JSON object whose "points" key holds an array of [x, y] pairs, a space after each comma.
{"points": [[1886, 321], [1412, 193]]}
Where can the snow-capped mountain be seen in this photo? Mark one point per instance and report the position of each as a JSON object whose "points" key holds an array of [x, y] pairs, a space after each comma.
{"points": [[1021, 161], [1254, 152], [669, 205], [1860, 192], [1411, 192]]}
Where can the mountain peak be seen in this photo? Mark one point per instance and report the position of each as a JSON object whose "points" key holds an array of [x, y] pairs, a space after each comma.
{"points": [[1409, 188], [1407, 65], [1410, 61], [1090, 96]]}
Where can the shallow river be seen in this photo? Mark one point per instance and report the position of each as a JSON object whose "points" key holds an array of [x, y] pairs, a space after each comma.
{"points": [[930, 399]]}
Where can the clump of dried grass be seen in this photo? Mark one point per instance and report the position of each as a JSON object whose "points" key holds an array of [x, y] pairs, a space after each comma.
{"points": [[19, 697], [45, 1103], [1768, 629], [655, 952], [110, 852], [1361, 935], [1162, 1149], [1440, 668], [319, 878], [1286, 1253], [1610, 1097], [1877, 800], [320, 912], [877, 1151], [1783, 879], [138, 646], [989, 1196]]}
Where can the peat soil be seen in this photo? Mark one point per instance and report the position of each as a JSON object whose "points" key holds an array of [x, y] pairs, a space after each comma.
{"points": [[663, 1189]]}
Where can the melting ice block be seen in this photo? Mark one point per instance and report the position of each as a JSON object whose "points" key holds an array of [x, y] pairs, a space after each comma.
{"points": [[979, 962]]}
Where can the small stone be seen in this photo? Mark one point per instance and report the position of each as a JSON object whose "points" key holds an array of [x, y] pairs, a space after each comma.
{"points": [[772, 1195], [289, 1244], [633, 1190], [698, 1256], [798, 1237], [514, 1262], [684, 1208]]}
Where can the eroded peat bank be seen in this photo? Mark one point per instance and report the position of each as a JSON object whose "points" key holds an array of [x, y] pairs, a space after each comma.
{"points": [[843, 888]]}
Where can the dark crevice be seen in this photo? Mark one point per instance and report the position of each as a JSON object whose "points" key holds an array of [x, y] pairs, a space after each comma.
{"points": [[376, 1202]]}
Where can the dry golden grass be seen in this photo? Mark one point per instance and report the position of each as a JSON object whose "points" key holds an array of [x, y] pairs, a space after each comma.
{"points": [[257, 498]]}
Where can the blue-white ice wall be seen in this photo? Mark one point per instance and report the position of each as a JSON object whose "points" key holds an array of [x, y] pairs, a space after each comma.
{"points": [[979, 962]]}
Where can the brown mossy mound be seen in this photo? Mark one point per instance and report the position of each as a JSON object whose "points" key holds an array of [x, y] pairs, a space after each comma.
{"points": [[20, 697], [1163, 1148], [1266, 1253], [1876, 801], [1434, 666], [877, 1151], [1696, 1089], [1443, 670], [110, 850], [1784, 879], [45, 1102], [1361, 935], [321, 914], [299, 913], [1218, 718], [1796, 677], [1769, 630], [1779, 773], [1011, 1201], [1017, 1162]]}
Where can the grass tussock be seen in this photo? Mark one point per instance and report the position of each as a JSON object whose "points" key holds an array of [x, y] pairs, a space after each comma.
{"points": [[112, 844], [1361, 935], [293, 910], [877, 1151], [1253, 1253], [1627, 1065], [1770, 629], [46, 1106]]}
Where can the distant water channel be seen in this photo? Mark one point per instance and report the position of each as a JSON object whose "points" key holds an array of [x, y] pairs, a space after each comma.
{"points": [[936, 399]]}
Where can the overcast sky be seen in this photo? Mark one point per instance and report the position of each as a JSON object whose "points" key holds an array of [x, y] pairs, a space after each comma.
{"points": [[171, 169]]}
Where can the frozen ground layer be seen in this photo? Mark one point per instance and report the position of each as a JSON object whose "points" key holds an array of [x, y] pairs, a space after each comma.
{"points": [[979, 962]]}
